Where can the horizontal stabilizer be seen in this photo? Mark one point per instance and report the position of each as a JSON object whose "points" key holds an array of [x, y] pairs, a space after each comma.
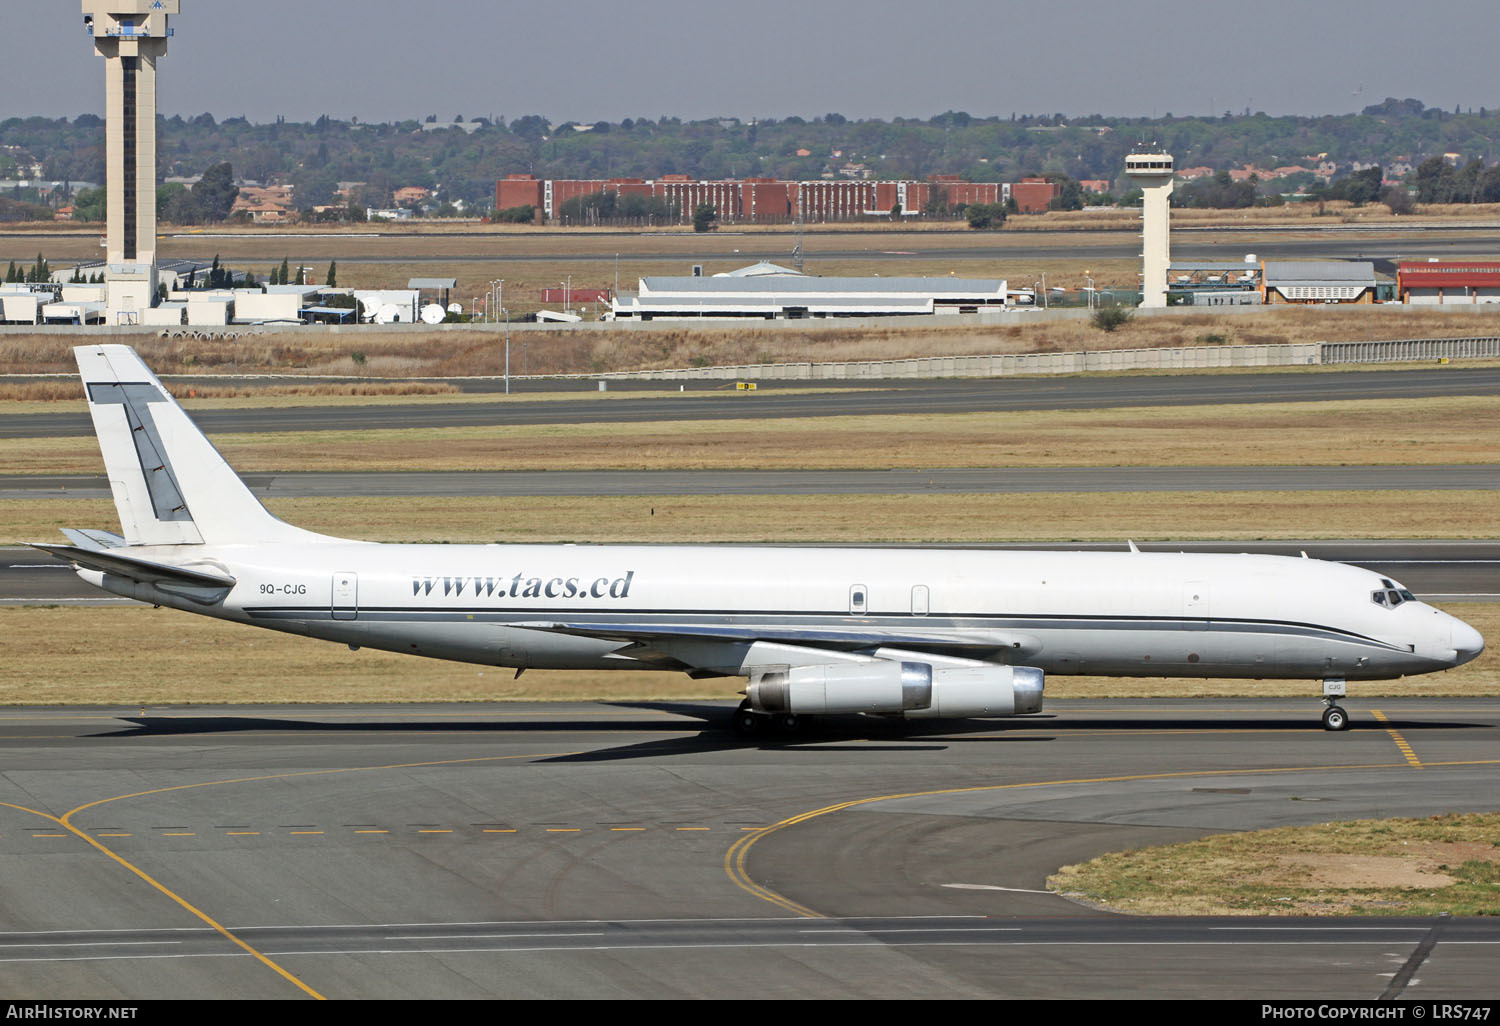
{"points": [[205, 584], [94, 541]]}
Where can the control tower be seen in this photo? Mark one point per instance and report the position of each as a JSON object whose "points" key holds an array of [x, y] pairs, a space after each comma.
{"points": [[1152, 174], [131, 36]]}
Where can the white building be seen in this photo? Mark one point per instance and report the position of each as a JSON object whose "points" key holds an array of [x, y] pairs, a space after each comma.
{"points": [[774, 296]]}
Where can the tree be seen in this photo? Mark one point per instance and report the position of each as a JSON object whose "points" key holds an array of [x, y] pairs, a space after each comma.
{"points": [[216, 192], [1397, 198], [333, 274], [1108, 318], [1435, 180], [1069, 195], [1358, 188], [705, 217], [90, 205], [284, 277], [515, 215], [985, 215]]}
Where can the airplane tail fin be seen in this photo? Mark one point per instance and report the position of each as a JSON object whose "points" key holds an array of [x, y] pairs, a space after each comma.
{"points": [[170, 485]]}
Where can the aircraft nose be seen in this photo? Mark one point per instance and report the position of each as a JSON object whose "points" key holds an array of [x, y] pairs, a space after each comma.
{"points": [[1467, 642]]}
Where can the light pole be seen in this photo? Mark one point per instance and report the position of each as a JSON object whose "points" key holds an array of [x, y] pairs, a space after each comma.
{"points": [[507, 350], [1092, 295]]}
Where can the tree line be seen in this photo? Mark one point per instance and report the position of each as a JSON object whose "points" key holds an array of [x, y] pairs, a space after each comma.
{"points": [[317, 156]]}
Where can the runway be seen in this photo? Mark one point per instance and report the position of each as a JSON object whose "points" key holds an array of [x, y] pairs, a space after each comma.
{"points": [[882, 399], [729, 248], [618, 851], [937, 480]]}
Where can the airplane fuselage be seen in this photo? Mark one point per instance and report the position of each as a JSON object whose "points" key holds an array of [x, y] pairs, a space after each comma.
{"points": [[1113, 614]]}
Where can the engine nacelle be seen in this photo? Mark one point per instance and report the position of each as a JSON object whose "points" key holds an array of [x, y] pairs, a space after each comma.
{"points": [[961, 691], [907, 688], [879, 686]]}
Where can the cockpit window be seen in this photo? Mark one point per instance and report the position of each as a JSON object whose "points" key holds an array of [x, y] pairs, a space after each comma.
{"points": [[1391, 596]]}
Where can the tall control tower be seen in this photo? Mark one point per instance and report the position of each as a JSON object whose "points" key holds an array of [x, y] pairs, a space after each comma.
{"points": [[1152, 173], [131, 36]]}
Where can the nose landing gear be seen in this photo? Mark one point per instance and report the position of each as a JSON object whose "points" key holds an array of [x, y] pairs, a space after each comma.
{"points": [[1334, 717]]}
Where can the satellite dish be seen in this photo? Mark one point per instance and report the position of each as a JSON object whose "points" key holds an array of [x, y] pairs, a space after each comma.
{"points": [[371, 305], [390, 313], [433, 314], [455, 308]]}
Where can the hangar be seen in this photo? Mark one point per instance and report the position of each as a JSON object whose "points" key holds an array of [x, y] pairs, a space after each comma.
{"points": [[1446, 282], [795, 296], [1318, 281]]}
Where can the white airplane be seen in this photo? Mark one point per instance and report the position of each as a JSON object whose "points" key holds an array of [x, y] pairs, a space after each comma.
{"points": [[900, 632]]}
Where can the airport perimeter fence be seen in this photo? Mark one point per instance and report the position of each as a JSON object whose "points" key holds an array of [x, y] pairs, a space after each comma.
{"points": [[1410, 349], [1180, 358]]}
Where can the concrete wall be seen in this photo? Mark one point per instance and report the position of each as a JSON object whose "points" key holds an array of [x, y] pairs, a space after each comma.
{"points": [[1189, 358]]}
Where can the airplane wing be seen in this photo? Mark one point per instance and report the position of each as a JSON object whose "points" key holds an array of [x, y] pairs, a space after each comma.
{"points": [[204, 584], [973, 644]]}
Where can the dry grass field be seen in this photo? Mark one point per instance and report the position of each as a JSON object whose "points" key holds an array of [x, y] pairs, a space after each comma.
{"points": [[1413, 431], [440, 353], [1440, 865], [843, 519]]}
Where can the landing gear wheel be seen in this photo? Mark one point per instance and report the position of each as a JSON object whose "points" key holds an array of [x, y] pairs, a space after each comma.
{"points": [[789, 723], [747, 722], [1335, 718]]}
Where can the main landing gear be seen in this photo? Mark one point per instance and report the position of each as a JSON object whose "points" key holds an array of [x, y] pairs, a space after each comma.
{"points": [[1334, 717], [749, 723]]}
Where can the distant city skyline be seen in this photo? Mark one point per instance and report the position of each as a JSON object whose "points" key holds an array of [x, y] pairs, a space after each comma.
{"points": [[378, 60]]}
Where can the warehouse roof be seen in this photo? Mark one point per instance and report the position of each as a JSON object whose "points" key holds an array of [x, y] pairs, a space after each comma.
{"points": [[1315, 272], [805, 285]]}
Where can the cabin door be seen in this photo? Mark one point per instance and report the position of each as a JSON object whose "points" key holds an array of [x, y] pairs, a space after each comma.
{"points": [[346, 595], [921, 600]]}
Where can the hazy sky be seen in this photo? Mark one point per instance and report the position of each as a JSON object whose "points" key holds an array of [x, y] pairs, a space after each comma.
{"points": [[588, 60]]}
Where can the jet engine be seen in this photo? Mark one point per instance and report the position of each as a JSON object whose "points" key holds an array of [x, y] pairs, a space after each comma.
{"points": [[907, 688]]}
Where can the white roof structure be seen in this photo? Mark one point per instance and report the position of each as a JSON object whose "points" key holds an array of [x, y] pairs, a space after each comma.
{"points": [[771, 296], [759, 270]]}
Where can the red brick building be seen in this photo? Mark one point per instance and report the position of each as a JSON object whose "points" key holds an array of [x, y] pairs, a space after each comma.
{"points": [[1032, 195], [771, 201]]}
